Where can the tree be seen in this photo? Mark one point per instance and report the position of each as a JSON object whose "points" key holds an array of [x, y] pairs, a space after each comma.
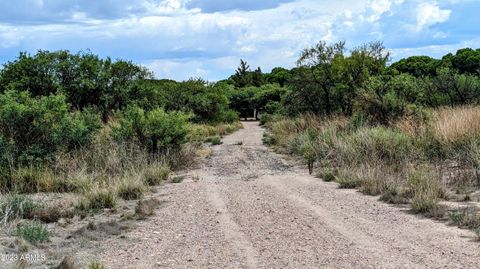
{"points": [[84, 78], [242, 76], [419, 66], [32, 130], [313, 81], [156, 130], [243, 101], [278, 75]]}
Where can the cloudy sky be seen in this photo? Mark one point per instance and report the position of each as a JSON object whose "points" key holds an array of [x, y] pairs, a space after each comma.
{"points": [[180, 39]]}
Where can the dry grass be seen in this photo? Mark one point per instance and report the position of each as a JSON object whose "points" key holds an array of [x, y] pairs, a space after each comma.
{"points": [[450, 125], [200, 132], [393, 161]]}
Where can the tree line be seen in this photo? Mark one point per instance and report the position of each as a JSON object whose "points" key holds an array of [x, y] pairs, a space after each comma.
{"points": [[331, 80], [53, 102]]}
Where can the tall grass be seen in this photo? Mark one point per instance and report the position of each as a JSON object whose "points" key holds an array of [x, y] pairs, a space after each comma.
{"points": [[401, 161]]}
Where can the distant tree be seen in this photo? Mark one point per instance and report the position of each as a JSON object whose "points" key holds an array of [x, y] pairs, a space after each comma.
{"points": [[242, 77], [466, 61], [243, 101], [278, 75], [84, 78], [419, 66], [257, 77]]}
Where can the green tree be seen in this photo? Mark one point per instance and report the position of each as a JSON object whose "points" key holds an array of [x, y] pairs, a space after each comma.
{"points": [[242, 77], [419, 66], [156, 130], [32, 130]]}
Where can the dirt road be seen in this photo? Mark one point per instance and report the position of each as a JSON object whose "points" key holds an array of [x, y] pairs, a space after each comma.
{"points": [[252, 209]]}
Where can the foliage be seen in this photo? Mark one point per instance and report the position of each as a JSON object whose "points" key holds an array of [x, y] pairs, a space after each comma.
{"points": [[97, 200], [16, 206], [84, 79], [32, 232], [156, 130], [216, 140], [34, 129], [156, 175], [419, 66]]}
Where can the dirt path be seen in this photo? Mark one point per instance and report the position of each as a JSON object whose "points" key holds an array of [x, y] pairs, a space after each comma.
{"points": [[252, 209]]}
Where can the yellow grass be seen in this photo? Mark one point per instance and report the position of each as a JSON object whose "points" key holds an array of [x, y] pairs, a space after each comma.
{"points": [[450, 125]]}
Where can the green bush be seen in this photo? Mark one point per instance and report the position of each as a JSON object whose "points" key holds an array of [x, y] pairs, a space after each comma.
{"points": [[32, 232], [34, 129], [377, 144], [216, 140], [383, 100], [156, 130]]}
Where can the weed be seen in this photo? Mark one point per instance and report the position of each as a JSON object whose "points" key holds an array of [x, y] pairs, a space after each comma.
{"points": [[96, 265], [97, 200], [425, 189], [131, 189], [17, 206], [465, 218], [177, 179], [32, 232], [216, 140], [156, 175]]}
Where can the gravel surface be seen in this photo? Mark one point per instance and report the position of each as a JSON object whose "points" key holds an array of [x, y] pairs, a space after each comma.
{"points": [[253, 209]]}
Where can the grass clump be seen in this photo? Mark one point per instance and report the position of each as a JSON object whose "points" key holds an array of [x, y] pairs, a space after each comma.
{"points": [[97, 200], [156, 175], [32, 232], [327, 175], [216, 140], [177, 179], [131, 189], [17, 206], [425, 190], [96, 265], [465, 218]]}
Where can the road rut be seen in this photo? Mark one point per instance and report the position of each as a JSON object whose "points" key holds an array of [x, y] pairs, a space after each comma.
{"points": [[252, 208]]}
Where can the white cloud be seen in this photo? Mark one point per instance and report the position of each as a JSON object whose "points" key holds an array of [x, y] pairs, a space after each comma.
{"points": [[179, 42], [429, 14], [379, 7]]}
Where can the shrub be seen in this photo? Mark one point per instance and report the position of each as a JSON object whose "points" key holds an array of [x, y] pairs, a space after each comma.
{"points": [[156, 130], [216, 140], [425, 190], [379, 144], [156, 175], [327, 175], [32, 232], [96, 200], [177, 179], [34, 129]]}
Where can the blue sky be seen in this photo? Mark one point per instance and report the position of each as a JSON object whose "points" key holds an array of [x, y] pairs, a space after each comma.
{"points": [[180, 39]]}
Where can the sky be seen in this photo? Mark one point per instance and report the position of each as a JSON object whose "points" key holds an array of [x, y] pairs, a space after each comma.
{"points": [[182, 39]]}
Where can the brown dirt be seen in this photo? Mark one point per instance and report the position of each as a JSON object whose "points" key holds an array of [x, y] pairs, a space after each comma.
{"points": [[251, 208]]}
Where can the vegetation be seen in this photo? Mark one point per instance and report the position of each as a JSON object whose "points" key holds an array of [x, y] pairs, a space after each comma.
{"points": [[32, 232], [108, 130]]}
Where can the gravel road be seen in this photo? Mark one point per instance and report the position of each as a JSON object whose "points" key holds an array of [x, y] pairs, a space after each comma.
{"points": [[253, 209]]}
